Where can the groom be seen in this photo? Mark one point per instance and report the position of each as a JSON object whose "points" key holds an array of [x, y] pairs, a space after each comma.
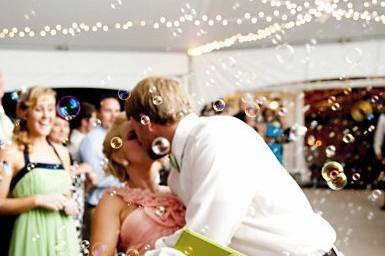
{"points": [[235, 191]]}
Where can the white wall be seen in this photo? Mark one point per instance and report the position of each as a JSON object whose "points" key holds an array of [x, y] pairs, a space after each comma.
{"points": [[86, 69]]}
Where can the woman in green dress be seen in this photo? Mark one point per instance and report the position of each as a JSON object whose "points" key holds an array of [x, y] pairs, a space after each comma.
{"points": [[36, 182]]}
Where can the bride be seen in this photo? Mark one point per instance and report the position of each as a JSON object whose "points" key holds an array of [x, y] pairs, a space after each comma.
{"points": [[130, 219]]}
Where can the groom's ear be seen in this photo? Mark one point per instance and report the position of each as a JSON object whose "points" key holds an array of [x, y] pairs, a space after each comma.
{"points": [[151, 126]]}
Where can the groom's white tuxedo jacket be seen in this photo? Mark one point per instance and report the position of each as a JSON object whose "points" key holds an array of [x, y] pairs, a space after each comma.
{"points": [[237, 193]]}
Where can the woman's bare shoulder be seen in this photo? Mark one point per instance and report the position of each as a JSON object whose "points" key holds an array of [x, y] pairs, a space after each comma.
{"points": [[12, 155]]}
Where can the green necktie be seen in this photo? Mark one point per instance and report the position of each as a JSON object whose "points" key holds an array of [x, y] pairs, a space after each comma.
{"points": [[174, 162]]}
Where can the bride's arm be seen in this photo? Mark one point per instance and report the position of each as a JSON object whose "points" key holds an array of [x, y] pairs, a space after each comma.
{"points": [[105, 224]]}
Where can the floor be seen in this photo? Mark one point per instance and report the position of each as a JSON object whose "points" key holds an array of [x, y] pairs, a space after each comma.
{"points": [[356, 217]]}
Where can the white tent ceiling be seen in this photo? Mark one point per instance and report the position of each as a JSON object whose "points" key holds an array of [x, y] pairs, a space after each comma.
{"points": [[36, 14]]}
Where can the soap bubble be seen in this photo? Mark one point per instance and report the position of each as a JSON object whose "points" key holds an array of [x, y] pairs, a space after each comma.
{"points": [[97, 123], [285, 53], [348, 138], [68, 107], [116, 4], [157, 100], [160, 146], [330, 151], [338, 182], [356, 176], [144, 120], [116, 142], [354, 56], [123, 94], [331, 169], [219, 105]]}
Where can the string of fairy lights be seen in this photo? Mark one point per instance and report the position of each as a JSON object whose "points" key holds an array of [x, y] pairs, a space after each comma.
{"points": [[322, 8], [283, 16]]}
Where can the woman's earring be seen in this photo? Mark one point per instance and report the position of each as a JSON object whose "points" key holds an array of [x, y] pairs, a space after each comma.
{"points": [[125, 163]]}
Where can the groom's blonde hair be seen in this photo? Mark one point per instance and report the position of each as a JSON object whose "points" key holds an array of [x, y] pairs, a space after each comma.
{"points": [[162, 99]]}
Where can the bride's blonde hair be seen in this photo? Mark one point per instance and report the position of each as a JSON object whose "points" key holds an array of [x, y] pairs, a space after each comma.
{"points": [[111, 167], [27, 101]]}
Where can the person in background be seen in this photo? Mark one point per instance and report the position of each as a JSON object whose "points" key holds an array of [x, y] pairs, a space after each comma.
{"points": [[36, 182], [6, 125], [90, 152], [233, 187], [141, 201], [81, 173], [81, 125], [272, 129], [378, 144], [379, 138]]}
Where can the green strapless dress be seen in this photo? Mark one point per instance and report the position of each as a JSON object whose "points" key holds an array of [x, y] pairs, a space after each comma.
{"points": [[41, 232]]}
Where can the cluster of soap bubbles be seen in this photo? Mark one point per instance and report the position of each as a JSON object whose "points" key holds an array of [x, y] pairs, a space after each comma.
{"points": [[333, 174], [84, 247]]}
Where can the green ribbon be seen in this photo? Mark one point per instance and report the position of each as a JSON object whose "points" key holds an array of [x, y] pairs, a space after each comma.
{"points": [[174, 162]]}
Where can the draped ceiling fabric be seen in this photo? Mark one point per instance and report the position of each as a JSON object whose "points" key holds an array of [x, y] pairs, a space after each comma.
{"points": [[221, 73]]}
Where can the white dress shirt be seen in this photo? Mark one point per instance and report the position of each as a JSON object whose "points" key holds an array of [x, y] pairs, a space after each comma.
{"points": [[238, 194], [6, 127], [379, 135], [74, 146]]}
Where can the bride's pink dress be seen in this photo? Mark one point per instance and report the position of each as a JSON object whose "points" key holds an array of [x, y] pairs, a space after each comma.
{"points": [[157, 214]]}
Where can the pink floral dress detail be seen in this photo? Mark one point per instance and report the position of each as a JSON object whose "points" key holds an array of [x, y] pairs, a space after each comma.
{"points": [[157, 215]]}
